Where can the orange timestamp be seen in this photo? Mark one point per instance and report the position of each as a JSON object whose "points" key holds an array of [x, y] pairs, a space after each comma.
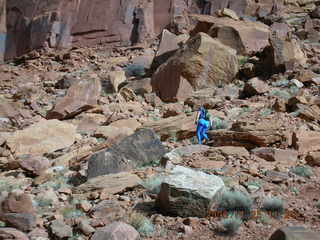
{"points": [[257, 213]]}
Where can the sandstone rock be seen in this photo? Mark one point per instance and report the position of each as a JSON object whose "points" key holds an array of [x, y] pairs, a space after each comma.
{"points": [[208, 164], [246, 37], [188, 193], [60, 229], [8, 110], [106, 209], [306, 141], [116, 78], [172, 109], [141, 86], [81, 96], [309, 113], [249, 134], [144, 60], [313, 159], [12, 233], [85, 227], [116, 231], [232, 151], [255, 86], [126, 123], [143, 147], [111, 183], [278, 155], [45, 136], [168, 46], [286, 53], [177, 127], [113, 134], [204, 62], [17, 203], [34, 164], [175, 156], [22, 221], [294, 232], [228, 13]]}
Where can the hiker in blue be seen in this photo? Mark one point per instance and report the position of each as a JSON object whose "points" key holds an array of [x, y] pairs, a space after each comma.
{"points": [[203, 124]]}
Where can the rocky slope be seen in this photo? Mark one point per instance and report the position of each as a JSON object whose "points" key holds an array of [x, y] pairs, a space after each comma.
{"points": [[99, 142]]}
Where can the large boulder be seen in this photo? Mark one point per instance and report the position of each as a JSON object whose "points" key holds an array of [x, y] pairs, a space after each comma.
{"points": [[306, 141], [188, 193], [247, 37], [12, 233], [143, 147], [43, 137], [81, 96], [250, 134], [204, 62], [169, 44], [173, 127], [275, 154], [286, 53]]}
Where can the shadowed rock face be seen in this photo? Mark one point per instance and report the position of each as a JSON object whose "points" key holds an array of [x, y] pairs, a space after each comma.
{"points": [[62, 23]]}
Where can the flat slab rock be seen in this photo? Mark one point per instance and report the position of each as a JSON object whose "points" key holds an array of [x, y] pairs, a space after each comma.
{"points": [[45, 136], [112, 183], [188, 193], [142, 147]]}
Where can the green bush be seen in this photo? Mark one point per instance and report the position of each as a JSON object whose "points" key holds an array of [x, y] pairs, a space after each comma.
{"points": [[302, 171], [231, 225], [152, 184], [142, 224], [273, 206], [218, 123], [318, 204], [242, 60], [235, 201]]}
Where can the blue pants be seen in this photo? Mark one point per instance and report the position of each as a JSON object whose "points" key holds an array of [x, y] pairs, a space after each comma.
{"points": [[202, 128]]}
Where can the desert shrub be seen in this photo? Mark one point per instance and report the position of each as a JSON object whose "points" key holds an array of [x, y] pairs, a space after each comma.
{"points": [[302, 171], [280, 93], [218, 123], [242, 60], [318, 204], [153, 184], [265, 112], [235, 201], [281, 83], [141, 223], [135, 70], [230, 225], [264, 218], [273, 206], [71, 212]]}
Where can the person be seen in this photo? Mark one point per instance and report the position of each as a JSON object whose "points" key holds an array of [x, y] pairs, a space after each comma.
{"points": [[203, 124]]}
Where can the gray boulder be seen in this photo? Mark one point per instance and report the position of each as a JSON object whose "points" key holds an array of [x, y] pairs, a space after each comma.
{"points": [[188, 193], [139, 149]]}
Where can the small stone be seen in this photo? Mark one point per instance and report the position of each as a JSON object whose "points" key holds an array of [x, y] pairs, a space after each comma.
{"points": [[85, 227], [116, 231], [60, 229], [85, 206]]}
